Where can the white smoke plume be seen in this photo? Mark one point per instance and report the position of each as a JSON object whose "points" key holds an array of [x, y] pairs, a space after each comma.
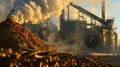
{"points": [[34, 11]]}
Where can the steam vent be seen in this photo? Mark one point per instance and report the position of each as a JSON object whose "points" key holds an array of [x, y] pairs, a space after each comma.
{"points": [[15, 36]]}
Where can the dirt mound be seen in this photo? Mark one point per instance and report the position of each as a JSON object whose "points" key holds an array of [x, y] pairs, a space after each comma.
{"points": [[15, 36]]}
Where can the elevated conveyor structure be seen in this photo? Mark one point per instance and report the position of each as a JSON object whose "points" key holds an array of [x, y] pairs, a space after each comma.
{"points": [[89, 14]]}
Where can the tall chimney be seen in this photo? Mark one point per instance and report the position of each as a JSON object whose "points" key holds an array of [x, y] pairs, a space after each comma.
{"points": [[103, 9], [68, 12]]}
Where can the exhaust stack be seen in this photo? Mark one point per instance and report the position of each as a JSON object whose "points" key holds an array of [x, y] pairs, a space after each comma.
{"points": [[103, 9]]}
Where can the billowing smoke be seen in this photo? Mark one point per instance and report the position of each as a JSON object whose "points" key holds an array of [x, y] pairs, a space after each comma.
{"points": [[35, 11], [65, 42]]}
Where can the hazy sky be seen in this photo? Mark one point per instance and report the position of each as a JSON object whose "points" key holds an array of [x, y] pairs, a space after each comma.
{"points": [[115, 7], [112, 10]]}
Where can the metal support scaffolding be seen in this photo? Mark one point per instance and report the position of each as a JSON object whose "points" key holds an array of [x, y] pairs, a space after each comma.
{"points": [[102, 34], [89, 14]]}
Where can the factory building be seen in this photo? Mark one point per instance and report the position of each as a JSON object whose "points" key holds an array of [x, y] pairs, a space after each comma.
{"points": [[97, 32]]}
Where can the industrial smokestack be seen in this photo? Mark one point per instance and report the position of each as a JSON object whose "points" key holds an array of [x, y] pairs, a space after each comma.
{"points": [[103, 9]]}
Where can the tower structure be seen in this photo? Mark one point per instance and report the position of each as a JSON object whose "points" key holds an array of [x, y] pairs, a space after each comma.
{"points": [[103, 9]]}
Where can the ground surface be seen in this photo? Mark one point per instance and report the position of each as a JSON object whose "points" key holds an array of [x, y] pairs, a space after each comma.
{"points": [[46, 59]]}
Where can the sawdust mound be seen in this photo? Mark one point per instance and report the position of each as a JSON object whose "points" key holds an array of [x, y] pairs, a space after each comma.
{"points": [[15, 36]]}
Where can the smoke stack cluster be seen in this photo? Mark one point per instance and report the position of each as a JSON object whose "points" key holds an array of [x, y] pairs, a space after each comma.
{"points": [[35, 11]]}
